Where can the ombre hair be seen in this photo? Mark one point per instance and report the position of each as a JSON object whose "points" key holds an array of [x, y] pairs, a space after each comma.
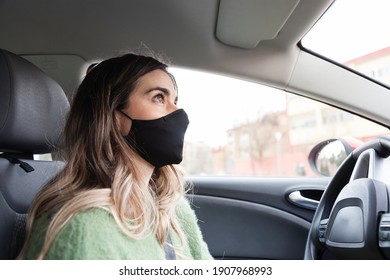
{"points": [[100, 170]]}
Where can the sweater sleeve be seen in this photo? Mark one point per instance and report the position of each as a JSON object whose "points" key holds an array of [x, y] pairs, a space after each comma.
{"points": [[189, 222]]}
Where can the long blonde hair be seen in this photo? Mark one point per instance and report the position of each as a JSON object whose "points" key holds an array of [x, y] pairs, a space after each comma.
{"points": [[100, 170]]}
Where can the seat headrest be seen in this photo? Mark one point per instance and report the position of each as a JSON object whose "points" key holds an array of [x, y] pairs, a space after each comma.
{"points": [[33, 107]]}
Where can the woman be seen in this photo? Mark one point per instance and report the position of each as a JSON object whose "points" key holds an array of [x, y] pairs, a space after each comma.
{"points": [[119, 195]]}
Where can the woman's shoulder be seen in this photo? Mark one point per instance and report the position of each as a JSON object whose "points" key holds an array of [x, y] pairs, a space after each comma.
{"points": [[93, 222], [82, 235], [95, 215]]}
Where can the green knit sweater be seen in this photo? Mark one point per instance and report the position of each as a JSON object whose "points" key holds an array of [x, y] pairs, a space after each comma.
{"points": [[93, 234]]}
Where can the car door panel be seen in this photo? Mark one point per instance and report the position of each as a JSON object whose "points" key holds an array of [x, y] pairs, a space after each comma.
{"points": [[253, 218]]}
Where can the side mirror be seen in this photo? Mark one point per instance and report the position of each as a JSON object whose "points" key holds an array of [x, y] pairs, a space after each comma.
{"points": [[326, 157]]}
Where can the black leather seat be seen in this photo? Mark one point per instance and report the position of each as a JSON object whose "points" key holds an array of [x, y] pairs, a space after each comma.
{"points": [[33, 109]]}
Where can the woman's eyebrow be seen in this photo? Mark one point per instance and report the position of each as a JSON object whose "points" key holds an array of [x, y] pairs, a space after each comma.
{"points": [[166, 92]]}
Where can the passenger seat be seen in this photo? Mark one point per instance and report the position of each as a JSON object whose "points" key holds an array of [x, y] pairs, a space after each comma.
{"points": [[33, 108]]}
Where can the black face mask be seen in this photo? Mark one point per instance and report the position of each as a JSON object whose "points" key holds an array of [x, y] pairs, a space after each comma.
{"points": [[160, 141]]}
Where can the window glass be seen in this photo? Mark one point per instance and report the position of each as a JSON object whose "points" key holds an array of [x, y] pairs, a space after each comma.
{"points": [[245, 129], [356, 34]]}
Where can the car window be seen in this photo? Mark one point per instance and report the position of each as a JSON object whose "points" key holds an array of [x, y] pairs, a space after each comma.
{"points": [[239, 128], [355, 33]]}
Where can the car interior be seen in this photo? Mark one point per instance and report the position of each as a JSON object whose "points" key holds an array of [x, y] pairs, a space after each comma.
{"points": [[46, 47]]}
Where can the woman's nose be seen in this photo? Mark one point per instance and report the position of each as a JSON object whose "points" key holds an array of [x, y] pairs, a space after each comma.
{"points": [[173, 107]]}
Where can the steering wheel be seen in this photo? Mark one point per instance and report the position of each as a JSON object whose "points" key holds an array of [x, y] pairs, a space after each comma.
{"points": [[352, 220]]}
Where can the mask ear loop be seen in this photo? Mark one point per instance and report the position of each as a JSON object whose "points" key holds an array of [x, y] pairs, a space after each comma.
{"points": [[130, 118], [126, 115]]}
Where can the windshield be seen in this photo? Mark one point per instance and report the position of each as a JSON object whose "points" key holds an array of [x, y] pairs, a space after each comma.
{"points": [[356, 34]]}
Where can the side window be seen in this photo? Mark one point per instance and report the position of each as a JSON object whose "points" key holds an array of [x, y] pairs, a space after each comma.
{"points": [[239, 128]]}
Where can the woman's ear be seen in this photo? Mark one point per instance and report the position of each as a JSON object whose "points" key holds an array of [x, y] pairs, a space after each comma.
{"points": [[123, 123]]}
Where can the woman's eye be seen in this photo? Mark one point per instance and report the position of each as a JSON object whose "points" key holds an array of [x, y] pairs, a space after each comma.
{"points": [[159, 98]]}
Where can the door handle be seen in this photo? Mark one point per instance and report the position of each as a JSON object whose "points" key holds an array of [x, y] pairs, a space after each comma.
{"points": [[298, 199]]}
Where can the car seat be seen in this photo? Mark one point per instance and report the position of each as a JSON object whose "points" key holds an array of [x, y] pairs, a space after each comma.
{"points": [[33, 108]]}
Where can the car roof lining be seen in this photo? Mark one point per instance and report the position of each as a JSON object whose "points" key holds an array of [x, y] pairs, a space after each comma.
{"points": [[58, 20]]}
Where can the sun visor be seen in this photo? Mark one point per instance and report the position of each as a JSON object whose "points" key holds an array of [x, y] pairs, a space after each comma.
{"points": [[245, 23]]}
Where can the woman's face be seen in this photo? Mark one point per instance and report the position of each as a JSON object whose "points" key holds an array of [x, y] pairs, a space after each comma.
{"points": [[153, 97]]}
